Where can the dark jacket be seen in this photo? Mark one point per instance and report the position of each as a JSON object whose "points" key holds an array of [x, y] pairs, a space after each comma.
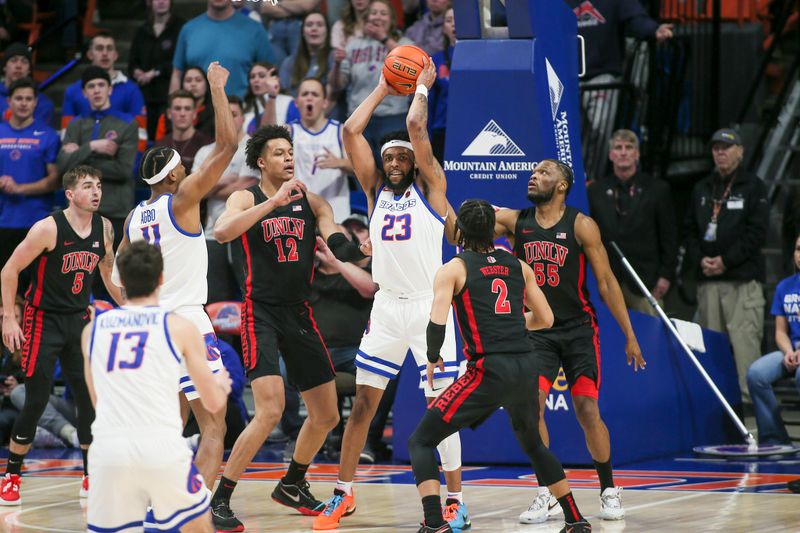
{"points": [[150, 52], [741, 226], [605, 24], [646, 233]]}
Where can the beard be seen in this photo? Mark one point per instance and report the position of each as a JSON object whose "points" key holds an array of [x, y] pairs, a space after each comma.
{"points": [[541, 197], [402, 185]]}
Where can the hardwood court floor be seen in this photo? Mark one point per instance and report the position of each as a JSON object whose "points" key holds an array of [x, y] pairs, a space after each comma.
{"points": [[717, 499]]}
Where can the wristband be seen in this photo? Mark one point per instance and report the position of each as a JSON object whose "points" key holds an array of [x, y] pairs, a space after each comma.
{"points": [[343, 249], [435, 338], [421, 89]]}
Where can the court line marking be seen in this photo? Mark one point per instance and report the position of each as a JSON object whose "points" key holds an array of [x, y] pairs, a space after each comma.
{"points": [[13, 519]]}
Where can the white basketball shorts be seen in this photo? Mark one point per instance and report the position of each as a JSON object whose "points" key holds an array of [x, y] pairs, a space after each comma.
{"points": [[197, 316]]}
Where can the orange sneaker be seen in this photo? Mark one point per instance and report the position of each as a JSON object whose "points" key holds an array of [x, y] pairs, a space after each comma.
{"points": [[339, 506], [84, 492], [9, 490]]}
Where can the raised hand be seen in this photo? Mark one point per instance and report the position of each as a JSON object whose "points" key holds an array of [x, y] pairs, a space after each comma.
{"points": [[428, 75], [217, 74], [289, 192]]}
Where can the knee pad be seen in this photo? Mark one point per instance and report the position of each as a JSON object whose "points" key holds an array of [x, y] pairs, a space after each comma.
{"points": [[450, 452]]}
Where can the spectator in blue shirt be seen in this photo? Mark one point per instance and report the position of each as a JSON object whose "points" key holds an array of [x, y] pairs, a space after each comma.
{"points": [[17, 65], [437, 99], [225, 35], [781, 363], [28, 173]]}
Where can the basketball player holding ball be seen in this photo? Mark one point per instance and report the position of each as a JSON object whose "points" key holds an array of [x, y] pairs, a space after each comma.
{"points": [[408, 213]]}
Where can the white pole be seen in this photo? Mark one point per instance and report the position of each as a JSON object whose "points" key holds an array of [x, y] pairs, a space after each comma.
{"points": [[748, 437]]}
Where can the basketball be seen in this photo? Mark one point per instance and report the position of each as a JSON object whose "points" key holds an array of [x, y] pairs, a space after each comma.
{"points": [[402, 67]]}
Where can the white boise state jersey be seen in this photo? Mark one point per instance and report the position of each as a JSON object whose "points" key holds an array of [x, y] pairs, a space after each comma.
{"points": [[185, 254], [135, 369], [406, 235], [330, 183]]}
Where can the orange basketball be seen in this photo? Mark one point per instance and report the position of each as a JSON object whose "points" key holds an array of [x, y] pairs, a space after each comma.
{"points": [[402, 67]]}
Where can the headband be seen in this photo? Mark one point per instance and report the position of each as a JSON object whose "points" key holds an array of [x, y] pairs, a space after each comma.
{"points": [[396, 144], [171, 164]]}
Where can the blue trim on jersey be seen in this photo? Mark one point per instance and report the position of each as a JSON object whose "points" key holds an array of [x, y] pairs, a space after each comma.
{"points": [[169, 340], [440, 376], [339, 137], [425, 202], [379, 360], [129, 525], [379, 371], [320, 132], [424, 368], [175, 222], [375, 203], [195, 510], [184, 379], [188, 388]]}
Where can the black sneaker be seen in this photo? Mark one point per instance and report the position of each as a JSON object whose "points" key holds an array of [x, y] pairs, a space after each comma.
{"points": [[577, 527], [441, 529], [223, 518], [298, 497], [794, 486]]}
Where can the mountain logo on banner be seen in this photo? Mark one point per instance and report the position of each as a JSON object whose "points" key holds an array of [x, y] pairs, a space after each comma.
{"points": [[556, 88], [492, 141]]}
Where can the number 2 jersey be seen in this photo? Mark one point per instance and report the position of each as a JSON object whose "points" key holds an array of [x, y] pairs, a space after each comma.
{"points": [[406, 235], [490, 307], [558, 263], [278, 253], [61, 279], [185, 253], [134, 370]]}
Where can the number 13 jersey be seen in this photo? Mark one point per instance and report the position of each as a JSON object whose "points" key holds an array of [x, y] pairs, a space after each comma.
{"points": [[406, 235]]}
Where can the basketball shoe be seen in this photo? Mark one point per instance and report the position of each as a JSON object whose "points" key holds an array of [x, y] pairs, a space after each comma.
{"points": [[441, 529], [223, 518], [577, 527], [457, 515], [84, 492], [339, 506], [544, 507], [298, 496], [611, 504], [9, 490]]}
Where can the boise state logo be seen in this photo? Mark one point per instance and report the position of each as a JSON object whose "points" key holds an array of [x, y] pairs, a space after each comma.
{"points": [[111, 135], [212, 348], [15, 155], [195, 481]]}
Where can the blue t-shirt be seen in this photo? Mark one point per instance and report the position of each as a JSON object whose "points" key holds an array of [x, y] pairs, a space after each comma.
{"points": [[125, 98], [236, 42], [787, 303], [24, 155]]}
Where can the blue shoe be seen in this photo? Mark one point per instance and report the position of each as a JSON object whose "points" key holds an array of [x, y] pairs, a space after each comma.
{"points": [[457, 515]]}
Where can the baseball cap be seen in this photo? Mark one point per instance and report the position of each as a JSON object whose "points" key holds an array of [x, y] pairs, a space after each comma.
{"points": [[726, 135], [357, 218], [93, 72], [16, 49]]}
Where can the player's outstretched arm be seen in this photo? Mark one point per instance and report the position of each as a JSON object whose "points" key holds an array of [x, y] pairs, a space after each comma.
{"points": [[241, 212], [444, 287], [86, 336], [343, 248], [505, 223], [357, 147], [588, 235], [124, 243], [40, 238], [107, 264], [212, 388], [431, 174], [540, 315], [198, 184]]}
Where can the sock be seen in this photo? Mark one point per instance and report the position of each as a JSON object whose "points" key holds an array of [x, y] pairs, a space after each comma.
{"points": [[605, 474], [224, 490], [345, 486], [432, 506], [295, 473], [457, 496], [571, 512], [14, 465], [85, 454]]}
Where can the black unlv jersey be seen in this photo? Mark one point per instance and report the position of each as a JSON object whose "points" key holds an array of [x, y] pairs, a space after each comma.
{"points": [[62, 278], [558, 263], [278, 253], [490, 308]]}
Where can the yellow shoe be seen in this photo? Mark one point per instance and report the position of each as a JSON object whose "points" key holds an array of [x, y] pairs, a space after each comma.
{"points": [[339, 506]]}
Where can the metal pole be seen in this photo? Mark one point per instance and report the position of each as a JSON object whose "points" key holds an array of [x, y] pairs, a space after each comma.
{"points": [[748, 437]]}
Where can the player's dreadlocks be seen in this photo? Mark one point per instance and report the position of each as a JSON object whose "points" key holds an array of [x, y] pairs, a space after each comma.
{"points": [[475, 225]]}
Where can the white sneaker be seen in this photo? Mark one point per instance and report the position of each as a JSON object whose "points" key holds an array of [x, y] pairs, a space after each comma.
{"points": [[544, 506], [611, 504]]}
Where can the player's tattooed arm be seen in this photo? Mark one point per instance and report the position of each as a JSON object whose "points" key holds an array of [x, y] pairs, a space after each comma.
{"points": [[107, 263], [588, 235]]}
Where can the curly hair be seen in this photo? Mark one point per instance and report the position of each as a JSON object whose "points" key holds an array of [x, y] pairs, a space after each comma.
{"points": [[475, 225]]}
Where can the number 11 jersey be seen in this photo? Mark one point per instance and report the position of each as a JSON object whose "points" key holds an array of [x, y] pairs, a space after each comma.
{"points": [[406, 235]]}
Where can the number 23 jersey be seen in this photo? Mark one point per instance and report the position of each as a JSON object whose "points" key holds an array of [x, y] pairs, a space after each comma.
{"points": [[406, 235]]}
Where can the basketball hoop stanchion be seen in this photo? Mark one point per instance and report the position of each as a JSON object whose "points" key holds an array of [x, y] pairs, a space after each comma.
{"points": [[752, 447]]}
